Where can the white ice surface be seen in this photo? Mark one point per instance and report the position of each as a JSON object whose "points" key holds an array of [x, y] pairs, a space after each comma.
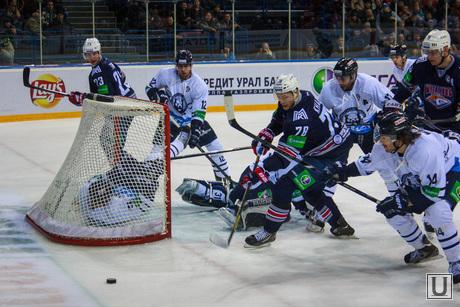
{"points": [[298, 269]]}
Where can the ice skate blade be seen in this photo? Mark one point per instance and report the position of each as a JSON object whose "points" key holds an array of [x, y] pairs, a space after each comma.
{"points": [[427, 259], [218, 241], [256, 247], [313, 230], [352, 237]]}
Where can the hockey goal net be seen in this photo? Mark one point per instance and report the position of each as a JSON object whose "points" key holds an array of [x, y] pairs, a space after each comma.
{"points": [[114, 185]]}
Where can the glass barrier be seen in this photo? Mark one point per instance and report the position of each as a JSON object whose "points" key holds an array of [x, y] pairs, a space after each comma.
{"points": [[152, 31]]}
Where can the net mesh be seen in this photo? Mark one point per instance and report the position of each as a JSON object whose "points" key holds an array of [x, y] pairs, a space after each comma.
{"points": [[113, 187]]}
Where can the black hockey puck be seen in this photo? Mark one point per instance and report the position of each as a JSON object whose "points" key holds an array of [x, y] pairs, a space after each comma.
{"points": [[111, 280]]}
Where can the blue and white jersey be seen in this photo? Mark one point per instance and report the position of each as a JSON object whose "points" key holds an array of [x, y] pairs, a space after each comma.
{"points": [[188, 97], [358, 106], [108, 79], [400, 73], [423, 166]]}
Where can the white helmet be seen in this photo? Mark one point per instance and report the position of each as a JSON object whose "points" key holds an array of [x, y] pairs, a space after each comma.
{"points": [[436, 40], [91, 45], [285, 83]]}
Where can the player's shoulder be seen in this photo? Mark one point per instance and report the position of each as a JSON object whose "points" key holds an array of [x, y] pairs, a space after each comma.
{"points": [[330, 87], [198, 82], [107, 64], [167, 71]]}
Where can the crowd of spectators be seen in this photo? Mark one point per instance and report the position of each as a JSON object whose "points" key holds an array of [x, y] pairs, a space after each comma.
{"points": [[369, 31], [22, 17]]}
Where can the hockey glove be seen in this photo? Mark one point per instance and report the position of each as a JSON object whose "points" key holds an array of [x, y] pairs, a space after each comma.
{"points": [[195, 133], [414, 108], [336, 172], [77, 98], [393, 205], [257, 147], [259, 174]]}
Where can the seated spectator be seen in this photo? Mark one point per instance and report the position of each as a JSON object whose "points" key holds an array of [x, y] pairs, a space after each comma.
{"points": [[60, 25], [13, 13], [387, 19], [226, 23], [258, 23], [49, 14], [9, 30], [6, 51], [311, 52], [184, 16], [265, 53], [208, 23], [33, 23], [155, 21]]}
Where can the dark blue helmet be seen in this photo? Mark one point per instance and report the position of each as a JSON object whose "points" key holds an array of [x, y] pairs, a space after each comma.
{"points": [[346, 67], [398, 50], [184, 57]]}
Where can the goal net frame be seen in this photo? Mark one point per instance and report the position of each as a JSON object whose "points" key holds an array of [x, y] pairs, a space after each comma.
{"points": [[148, 229]]}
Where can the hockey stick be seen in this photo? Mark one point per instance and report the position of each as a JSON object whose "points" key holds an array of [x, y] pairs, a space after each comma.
{"points": [[227, 177], [214, 238], [208, 153], [228, 104], [92, 96], [453, 119]]}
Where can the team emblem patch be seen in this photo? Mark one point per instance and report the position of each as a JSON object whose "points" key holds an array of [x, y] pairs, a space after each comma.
{"points": [[304, 180]]}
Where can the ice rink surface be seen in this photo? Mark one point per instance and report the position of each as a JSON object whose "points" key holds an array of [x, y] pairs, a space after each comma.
{"points": [[298, 269]]}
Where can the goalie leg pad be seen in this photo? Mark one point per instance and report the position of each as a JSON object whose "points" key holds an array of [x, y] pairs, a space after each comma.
{"points": [[204, 193]]}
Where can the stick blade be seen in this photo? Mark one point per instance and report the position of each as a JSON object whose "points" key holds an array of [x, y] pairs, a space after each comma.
{"points": [[25, 76], [218, 241], [228, 104]]}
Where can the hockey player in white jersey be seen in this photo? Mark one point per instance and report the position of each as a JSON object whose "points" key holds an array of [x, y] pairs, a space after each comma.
{"points": [[427, 168], [186, 95], [355, 98], [398, 55]]}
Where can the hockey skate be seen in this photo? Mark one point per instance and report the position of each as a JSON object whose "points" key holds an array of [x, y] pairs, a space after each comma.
{"points": [[343, 230], [427, 253], [454, 269], [260, 239], [313, 223]]}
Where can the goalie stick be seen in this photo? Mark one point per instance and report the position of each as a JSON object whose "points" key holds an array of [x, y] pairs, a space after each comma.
{"points": [[228, 104], [92, 96], [208, 153], [214, 238]]}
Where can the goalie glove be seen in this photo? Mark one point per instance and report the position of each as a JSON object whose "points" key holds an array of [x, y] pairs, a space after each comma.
{"points": [[77, 98]]}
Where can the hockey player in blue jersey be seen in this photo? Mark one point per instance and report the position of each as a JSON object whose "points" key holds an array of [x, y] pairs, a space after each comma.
{"points": [[108, 79], [432, 84], [105, 78], [309, 132]]}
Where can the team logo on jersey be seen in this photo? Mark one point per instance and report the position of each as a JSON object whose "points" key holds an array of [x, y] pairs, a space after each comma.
{"points": [[440, 97], [298, 115], [320, 77], [45, 99], [179, 103], [304, 180]]}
